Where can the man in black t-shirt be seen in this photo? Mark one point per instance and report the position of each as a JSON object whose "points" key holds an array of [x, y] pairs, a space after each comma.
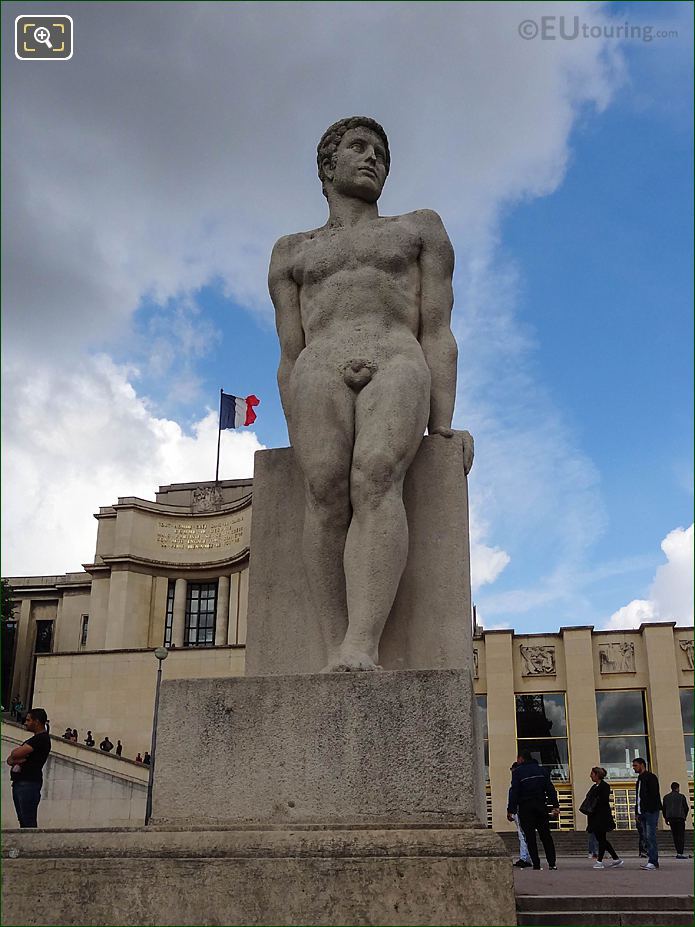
{"points": [[26, 764]]}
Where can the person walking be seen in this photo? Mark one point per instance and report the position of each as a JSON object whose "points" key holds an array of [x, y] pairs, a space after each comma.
{"points": [[647, 808], [106, 745], [119, 748], [597, 807], [26, 764], [89, 740], [531, 789], [592, 846], [676, 810], [524, 861]]}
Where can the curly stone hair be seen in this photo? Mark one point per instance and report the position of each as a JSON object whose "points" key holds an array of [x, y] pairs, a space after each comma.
{"points": [[331, 138]]}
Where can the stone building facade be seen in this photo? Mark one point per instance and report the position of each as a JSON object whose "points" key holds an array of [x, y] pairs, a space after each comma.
{"points": [[175, 572]]}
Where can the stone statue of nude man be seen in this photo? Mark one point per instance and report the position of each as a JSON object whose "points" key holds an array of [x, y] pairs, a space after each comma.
{"points": [[368, 361]]}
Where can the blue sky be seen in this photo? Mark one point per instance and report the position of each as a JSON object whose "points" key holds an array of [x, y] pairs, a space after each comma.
{"points": [[566, 188]]}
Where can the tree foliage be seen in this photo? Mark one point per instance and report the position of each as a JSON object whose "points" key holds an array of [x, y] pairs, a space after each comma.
{"points": [[8, 602]]}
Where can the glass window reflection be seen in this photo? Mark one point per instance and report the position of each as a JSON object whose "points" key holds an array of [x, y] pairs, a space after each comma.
{"points": [[541, 715], [689, 754], [617, 753], [482, 713], [620, 713], [687, 710], [551, 753]]}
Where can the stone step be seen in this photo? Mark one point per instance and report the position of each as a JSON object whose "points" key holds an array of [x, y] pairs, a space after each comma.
{"points": [[600, 910], [604, 902], [625, 842], [598, 919]]}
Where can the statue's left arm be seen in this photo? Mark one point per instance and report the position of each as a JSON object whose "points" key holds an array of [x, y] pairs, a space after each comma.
{"points": [[436, 302]]}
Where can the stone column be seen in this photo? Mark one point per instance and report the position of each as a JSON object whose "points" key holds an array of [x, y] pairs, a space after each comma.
{"points": [[501, 721], [22, 659], [222, 616], [665, 721], [582, 721], [233, 609], [179, 623]]}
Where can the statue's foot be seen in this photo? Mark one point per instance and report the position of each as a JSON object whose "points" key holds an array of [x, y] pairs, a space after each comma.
{"points": [[350, 661]]}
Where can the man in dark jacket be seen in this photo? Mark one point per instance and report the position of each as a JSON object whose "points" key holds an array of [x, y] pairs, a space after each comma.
{"points": [[529, 795], [647, 808], [675, 812]]}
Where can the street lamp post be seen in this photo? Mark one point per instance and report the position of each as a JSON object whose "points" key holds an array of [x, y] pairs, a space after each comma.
{"points": [[161, 653]]}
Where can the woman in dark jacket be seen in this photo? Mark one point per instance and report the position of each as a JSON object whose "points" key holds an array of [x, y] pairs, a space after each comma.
{"points": [[598, 810]]}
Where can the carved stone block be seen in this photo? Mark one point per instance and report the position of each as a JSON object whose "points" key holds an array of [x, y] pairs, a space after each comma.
{"points": [[617, 657], [537, 661]]}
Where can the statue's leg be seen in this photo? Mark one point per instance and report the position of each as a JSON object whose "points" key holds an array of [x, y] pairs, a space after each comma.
{"points": [[322, 437], [390, 419]]}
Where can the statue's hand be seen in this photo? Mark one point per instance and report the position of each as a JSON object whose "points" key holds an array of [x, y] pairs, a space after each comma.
{"points": [[468, 444], [468, 450]]}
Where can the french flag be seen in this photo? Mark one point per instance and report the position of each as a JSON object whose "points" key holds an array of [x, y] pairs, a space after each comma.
{"points": [[235, 411]]}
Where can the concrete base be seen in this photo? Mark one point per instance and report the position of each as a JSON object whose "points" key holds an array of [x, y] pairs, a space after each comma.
{"points": [[302, 876], [429, 626], [335, 748]]}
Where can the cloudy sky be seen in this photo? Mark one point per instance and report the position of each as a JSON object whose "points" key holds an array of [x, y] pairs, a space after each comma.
{"points": [[146, 179]]}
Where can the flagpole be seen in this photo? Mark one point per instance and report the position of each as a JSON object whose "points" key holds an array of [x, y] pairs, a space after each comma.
{"points": [[219, 435]]}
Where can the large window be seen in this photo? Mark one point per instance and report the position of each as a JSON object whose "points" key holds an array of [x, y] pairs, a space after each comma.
{"points": [[169, 621], [44, 637], [622, 731], [201, 604], [84, 630], [687, 716], [541, 727], [482, 720]]}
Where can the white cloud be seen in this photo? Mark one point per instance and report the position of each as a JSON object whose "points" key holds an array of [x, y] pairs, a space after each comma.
{"points": [[671, 592], [486, 564], [85, 439]]}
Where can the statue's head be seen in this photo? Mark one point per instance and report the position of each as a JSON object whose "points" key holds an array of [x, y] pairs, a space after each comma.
{"points": [[353, 158]]}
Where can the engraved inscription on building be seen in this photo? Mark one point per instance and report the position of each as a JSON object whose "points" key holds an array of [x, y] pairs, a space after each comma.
{"points": [[197, 535]]}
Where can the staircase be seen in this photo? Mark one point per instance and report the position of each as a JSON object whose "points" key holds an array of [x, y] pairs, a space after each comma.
{"points": [[613, 910], [574, 843]]}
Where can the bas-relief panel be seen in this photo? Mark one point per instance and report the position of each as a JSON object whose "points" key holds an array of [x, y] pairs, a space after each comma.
{"points": [[206, 499], [617, 657], [689, 659], [538, 660]]}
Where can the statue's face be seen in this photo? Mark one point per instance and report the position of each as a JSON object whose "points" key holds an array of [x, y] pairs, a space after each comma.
{"points": [[360, 165]]}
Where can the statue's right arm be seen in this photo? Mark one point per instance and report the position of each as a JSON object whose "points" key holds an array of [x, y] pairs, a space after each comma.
{"points": [[284, 293]]}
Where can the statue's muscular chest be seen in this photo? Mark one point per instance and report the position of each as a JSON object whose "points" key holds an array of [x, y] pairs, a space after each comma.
{"points": [[388, 246]]}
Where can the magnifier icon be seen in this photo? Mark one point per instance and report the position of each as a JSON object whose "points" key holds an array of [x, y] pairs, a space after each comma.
{"points": [[43, 35]]}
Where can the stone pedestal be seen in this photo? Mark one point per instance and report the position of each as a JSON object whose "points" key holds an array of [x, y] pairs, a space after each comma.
{"points": [[302, 876], [430, 623], [338, 748]]}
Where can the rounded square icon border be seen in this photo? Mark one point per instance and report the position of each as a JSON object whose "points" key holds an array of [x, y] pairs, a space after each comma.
{"points": [[45, 16]]}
